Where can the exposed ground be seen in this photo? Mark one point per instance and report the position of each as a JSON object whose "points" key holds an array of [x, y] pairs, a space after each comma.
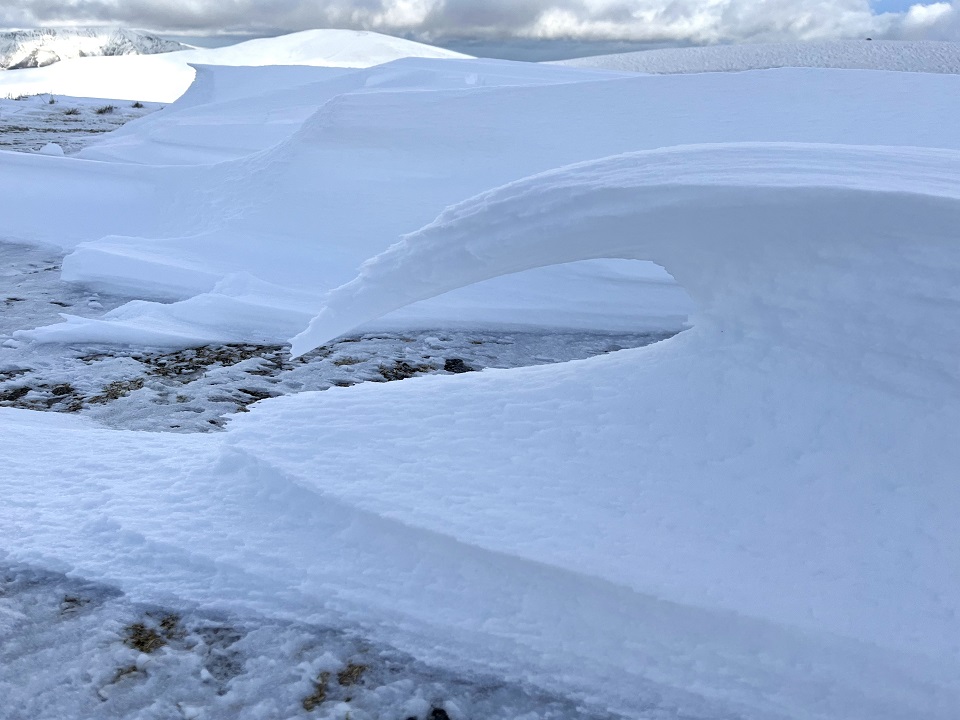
{"points": [[27, 123]]}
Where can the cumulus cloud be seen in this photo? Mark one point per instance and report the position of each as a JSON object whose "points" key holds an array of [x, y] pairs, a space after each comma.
{"points": [[696, 21], [937, 21]]}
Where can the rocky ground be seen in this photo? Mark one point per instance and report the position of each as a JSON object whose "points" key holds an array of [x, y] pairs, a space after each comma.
{"points": [[197, 389], [29, 122]]}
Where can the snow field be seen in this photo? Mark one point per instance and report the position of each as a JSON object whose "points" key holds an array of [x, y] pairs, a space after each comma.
{"points": [[901, 56], [752, 519]]}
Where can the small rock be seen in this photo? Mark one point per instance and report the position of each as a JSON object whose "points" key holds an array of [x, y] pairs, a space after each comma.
{"points": [[456, 365]]}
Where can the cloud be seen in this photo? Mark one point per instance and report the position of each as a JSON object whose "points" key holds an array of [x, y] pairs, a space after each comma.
{"points": [[938, 21], [696, 21]]}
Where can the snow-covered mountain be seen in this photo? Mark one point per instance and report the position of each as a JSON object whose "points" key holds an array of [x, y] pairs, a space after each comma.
{"points": [[165, 77], [20, 49]]}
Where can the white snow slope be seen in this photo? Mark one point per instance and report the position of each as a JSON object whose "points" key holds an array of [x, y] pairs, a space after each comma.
{"points": [[22, 49], [164, 78], [754, 519], [905, 56]]}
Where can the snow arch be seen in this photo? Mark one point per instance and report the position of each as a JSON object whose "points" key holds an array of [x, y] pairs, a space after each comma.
{"points": [[792, 457], [810, 246]]}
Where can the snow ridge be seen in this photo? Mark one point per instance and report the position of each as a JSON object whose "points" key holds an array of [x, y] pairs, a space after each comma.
{"points": [[23, 49]]}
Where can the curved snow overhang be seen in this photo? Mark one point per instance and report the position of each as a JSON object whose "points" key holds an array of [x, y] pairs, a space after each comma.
{"points": [[813, 246]]}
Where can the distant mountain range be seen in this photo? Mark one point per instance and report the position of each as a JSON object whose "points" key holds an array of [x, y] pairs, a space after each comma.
{"points": [[38, 48]]}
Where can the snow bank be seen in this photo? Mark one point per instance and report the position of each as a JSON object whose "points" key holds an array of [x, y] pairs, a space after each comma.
{"points": [[904, 56], [415, 137], [789, 458], [164, 78], [231, 112]]}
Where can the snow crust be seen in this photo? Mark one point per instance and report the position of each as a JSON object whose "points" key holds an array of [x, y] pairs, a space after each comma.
{"points": [[904, 56]]}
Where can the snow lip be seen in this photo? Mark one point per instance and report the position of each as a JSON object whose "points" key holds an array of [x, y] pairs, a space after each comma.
{"points": [[680, 179]]}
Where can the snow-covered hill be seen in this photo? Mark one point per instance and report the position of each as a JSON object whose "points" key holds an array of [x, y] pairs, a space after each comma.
{"points": [[21, 49], [925, 56], [165, 77]]}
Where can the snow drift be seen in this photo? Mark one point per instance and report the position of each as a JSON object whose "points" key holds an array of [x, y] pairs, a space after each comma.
{"points": [[754, 519], [21, 49]]}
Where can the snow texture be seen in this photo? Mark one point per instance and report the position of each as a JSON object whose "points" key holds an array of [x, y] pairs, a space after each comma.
{"points": [[416, 136], [753, 519], [30, 123], [904, 56]]}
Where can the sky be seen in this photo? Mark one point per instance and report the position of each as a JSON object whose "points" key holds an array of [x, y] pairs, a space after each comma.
{"points": [[466, 22]]}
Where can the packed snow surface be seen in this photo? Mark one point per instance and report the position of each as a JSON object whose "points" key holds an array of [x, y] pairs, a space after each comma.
{"points": [[21, 49], [905, 56], [164, 78], [754, 519]]}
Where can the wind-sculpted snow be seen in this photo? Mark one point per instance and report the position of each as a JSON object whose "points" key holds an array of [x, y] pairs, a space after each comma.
{"points": [[22, 49], [230, 112], [789, 458], [754, 519], [757, 234], [165, 77], [387, 148]]}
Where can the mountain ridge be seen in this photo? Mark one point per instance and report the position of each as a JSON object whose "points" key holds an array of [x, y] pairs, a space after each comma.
{"points": [[23, 49]]}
